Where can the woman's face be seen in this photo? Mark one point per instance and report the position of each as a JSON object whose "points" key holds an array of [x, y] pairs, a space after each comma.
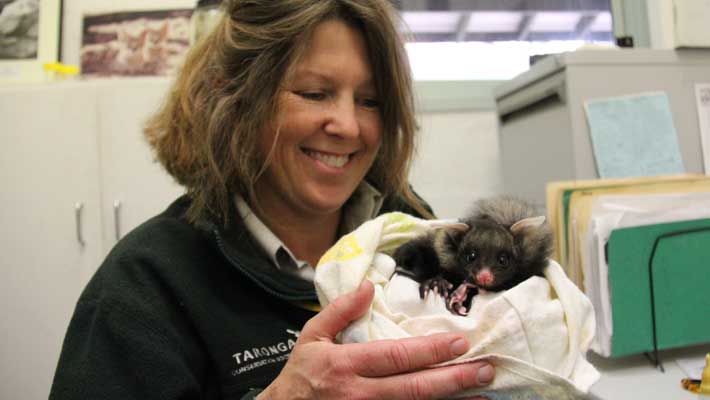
{"points": [[330, 127]]}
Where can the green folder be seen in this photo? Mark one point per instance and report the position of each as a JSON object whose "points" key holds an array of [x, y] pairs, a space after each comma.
{"points": [[681, 286]]}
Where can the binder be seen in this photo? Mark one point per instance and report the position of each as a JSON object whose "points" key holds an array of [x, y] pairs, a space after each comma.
{"points": [[577, 204], [559, 193], [660, 286]]}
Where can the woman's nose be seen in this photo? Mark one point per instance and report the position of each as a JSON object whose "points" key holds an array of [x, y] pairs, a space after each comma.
{"points": [[343, 119]]}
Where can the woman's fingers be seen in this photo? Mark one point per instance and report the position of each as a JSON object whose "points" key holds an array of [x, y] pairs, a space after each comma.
{"points": [[401, 366], [390, 357], [388, 369], [392, 369], [338, 314], [436, 383]]}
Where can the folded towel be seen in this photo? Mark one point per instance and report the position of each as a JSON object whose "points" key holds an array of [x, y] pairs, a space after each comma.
{"points": [[536, 333]]}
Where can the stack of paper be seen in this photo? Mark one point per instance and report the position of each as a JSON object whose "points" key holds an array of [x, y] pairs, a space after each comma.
{"points": [[620, 211], [585, 214], [559, 193]]}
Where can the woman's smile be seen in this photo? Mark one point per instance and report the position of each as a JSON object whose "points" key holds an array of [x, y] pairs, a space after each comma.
{"points": [[331, 160]]}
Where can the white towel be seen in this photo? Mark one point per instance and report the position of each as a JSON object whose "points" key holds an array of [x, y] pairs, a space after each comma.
{"points": [[536, 334]]}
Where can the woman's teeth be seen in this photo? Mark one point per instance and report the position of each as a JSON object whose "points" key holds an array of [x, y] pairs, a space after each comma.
{"points": [[328, 159]]}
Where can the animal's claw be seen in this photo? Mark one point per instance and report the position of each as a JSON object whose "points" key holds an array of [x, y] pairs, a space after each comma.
{"points": [[438, 285]]}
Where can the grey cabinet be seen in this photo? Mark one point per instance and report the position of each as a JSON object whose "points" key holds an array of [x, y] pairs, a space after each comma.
{"points": [[543, 130]]}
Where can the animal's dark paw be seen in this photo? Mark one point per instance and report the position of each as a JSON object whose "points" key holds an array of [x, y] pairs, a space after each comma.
{"points": [[437, 285]]}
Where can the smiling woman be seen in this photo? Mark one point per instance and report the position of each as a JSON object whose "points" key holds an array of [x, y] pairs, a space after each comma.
{"points": [[279, 129], [325, 139]]}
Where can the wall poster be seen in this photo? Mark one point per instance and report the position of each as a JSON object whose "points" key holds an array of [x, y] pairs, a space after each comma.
{"points": [[135, 43], [29, 37]]}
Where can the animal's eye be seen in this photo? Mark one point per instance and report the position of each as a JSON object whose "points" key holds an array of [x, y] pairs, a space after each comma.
{"points": [[471, 257], [503, 258]]}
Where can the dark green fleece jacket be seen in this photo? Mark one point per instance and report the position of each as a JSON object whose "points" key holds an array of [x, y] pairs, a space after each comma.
{"points": [[183, 311]]}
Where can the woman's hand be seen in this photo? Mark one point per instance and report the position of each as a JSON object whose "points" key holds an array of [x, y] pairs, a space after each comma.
{"points": [[318, 368]]}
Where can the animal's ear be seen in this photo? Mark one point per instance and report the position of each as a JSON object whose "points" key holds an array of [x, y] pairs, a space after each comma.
{"points": [[458, 227], [449, 223], [455, 233], [532, 222]]}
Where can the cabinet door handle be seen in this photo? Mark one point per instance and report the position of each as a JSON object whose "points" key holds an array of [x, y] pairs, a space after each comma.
{"points": [[117, 218], [78, 208]]}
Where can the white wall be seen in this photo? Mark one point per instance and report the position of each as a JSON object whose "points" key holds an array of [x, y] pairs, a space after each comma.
{"points": [[661, 24], [457, 161]]}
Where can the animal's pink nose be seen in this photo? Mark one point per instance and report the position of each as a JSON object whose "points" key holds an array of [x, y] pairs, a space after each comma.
{"points": [[484, 277]]}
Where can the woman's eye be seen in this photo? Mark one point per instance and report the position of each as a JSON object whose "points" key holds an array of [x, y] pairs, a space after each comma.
{"points": [[312, 95], [370, 103], [503, 259]]}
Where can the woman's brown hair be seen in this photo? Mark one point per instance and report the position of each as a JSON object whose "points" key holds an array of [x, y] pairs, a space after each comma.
{"points": [[206, 134]]}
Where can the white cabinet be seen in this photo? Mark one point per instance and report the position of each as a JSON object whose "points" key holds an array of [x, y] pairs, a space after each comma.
{"points": [[133, 186], [67, 153], [47, 165]]}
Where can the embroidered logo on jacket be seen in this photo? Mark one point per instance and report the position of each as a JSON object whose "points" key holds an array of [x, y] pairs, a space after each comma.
{"points": [[256, 357]]}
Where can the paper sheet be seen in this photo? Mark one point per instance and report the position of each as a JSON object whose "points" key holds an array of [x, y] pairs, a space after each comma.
{"points": [[702, 95], [634, 136]]}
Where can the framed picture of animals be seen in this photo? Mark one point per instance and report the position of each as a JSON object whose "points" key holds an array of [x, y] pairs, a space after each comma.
{"points": [[134, 43], [29, 38]]}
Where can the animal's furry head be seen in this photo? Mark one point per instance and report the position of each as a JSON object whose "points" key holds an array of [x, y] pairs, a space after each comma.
{"points": [[505, 236]]}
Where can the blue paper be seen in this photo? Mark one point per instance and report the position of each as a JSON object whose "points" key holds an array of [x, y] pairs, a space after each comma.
{"points": [[634, 136]]}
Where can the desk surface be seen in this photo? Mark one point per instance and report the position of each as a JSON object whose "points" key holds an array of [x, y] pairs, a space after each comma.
{"points": [[635, 377]]}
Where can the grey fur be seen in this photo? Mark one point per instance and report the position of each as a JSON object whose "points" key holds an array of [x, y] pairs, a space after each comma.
{"points": [[491, 235], [511, 256], [445, 244]]}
